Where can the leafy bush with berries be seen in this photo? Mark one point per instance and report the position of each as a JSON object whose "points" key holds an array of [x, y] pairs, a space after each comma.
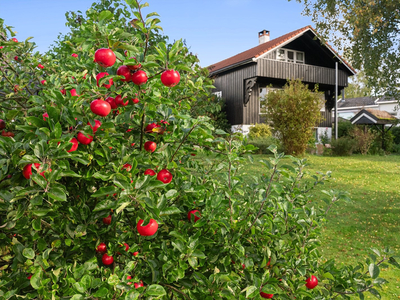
{"points": [[102, 197]]}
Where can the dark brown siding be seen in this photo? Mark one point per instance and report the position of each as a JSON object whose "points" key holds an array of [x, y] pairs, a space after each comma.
{"points": [[232, 86], [326, 119], [307, 73], [251, 113]]}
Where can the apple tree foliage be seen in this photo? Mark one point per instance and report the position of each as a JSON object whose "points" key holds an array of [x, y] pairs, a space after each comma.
{"points": [[254, 234]]}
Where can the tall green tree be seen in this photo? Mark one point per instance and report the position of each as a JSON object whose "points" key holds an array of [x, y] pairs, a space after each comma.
{"points": [[368, 32], [358, 87]]}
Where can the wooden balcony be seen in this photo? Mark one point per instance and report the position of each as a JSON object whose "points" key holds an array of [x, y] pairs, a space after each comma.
{"points": [[307, 73]]}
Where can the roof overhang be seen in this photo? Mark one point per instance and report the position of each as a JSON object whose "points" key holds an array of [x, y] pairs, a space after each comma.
{"points": [[244, 62], [366, 117]]}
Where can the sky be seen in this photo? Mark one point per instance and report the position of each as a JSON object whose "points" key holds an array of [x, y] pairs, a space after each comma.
{"points": [[212, 29]]}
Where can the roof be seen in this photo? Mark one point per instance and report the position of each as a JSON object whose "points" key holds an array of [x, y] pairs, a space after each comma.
{"points": [[354, 102], [373, 116], [255, 52]]}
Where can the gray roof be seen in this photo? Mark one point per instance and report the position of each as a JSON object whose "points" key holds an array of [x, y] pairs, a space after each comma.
{"points": [[361, 101]]}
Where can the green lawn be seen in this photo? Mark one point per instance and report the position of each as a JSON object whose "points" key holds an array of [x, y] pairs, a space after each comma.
{"points": [[371, 220]]}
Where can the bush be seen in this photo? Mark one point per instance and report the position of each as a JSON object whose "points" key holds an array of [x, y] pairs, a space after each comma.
{"points": [[260, 130], [396, 133], [287, 108], [72, 212], [364, 137], [376, 147], [343, 146], [344, 128], [264, 143]]}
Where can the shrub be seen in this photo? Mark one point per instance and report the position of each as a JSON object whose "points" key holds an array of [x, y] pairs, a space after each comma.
{"points": [[260, 130], [376, 146], [293, 112], [396, 133], [364, 137], [344, 128], [343, 146]]}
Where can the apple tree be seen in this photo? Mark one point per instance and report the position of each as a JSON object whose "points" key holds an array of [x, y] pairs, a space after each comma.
{"points": [[102, 195]]}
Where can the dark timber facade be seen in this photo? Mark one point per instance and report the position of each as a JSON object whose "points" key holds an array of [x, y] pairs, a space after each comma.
{"points": [[297, 55]]}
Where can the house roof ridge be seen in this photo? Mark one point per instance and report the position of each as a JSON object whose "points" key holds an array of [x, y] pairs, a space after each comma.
{"points": [[263, 48]]}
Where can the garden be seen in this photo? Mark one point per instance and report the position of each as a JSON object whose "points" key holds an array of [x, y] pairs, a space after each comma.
{"points": [[113, 186]]}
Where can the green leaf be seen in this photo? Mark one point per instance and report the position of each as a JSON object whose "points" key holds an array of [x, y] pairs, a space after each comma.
{"points": [[250, 290], [104, 191], [37, 224], [57, 194], [193, 262], [375, 293], [105, 15], [155, 290], [102, 292], [28, 253], [113, 279], [36, 279], [374, 270], [170, 211], [77, 297]]}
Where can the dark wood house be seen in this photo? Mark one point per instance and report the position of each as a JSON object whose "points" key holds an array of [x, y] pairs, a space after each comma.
{"points": [[242, 79]]}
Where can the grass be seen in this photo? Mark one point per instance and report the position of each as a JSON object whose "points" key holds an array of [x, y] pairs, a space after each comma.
{"points": [[371, 220]]}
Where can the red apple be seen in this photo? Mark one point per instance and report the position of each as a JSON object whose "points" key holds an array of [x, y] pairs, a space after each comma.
{"points": [[196, 215], [134, 67], [104, 57], [135, 100], [150, 146], [83, 139], [149, 128], [107, 259], [14, 40], [16, 58], [29, 277], [40, 66], [101, 248], [311, 282], [16, 88], [149, 172], [73, 93], [97, 124], [124, 71], [74, 55], [2, 124], [266, 296], [7, 133], [112, 103], [74, 146], [126, 248], [127, 167], [170, 78], [147, 230], [165, 176], [119, 101], [63, 91], [107, 220], [101, 75], [135, 253], [100, 107], [27, 171], [45, 115], [138, 285], [1, 47], [127, 278], [139, 77]]}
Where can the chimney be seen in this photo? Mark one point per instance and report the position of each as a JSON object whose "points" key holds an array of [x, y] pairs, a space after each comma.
{"points": [[263, 37]]}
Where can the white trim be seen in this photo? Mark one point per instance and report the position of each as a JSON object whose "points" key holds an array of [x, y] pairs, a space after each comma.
{"points": [[363, 115], [356, 107]]}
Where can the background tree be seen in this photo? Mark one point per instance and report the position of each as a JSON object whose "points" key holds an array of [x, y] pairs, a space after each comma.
{"points": [[358, 87], [293, 112], [368, 33]]}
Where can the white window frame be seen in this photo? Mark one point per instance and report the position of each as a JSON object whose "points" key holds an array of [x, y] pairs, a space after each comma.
{"points": [[285, 58], [264, 94]]}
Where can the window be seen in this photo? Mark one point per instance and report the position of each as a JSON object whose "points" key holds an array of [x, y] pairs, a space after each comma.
{"points": [[300, 57], [287, 55]]}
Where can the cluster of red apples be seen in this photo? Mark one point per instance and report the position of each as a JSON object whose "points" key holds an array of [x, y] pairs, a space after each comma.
{"points": [[106, 58]]}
